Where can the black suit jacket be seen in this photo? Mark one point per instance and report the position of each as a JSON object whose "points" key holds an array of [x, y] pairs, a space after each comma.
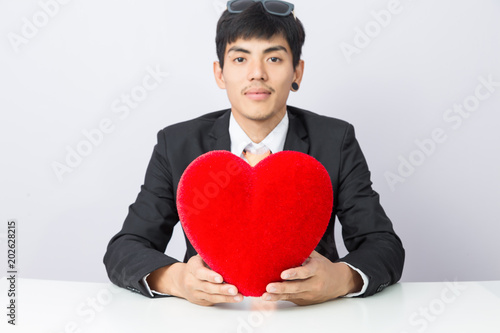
{"points": [[373, 246]]}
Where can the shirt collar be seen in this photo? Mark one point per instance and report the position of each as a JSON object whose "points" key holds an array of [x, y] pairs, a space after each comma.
{"points": [[275, 140]]}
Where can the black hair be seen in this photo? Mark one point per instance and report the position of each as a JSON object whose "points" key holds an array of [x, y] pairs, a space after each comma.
{"points": [[256, 22]]}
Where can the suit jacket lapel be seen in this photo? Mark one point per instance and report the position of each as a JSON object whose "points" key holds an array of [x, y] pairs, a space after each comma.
{"points": [[219, 135], [297, 138]]}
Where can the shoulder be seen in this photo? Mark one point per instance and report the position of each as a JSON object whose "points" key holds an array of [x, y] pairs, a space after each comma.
{"points": [[201, 124], [315, 118], [320, 125]]}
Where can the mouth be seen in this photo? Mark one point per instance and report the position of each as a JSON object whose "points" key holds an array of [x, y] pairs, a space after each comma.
{"points": [[258, 94]]}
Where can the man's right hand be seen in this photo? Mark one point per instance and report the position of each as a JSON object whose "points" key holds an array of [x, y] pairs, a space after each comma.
{"points": [[194, 281]]}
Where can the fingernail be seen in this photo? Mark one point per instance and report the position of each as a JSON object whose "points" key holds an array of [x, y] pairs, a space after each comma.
{"points": [[268, 297], [286, 276], [271, 290], [218, 279], [237, 298], [232, 291]]}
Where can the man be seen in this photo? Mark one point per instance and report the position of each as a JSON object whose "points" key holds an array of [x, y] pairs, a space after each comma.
{"points": [[259, 46]]}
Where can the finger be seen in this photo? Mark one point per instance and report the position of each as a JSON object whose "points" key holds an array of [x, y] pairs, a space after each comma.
{"points": [[201, 272], [299, 273], [288, 287], [216, 298], [281, 297], [209, 300], [217, 289]]}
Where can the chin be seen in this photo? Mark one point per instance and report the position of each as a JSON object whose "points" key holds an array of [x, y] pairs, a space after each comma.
{"points": [[259, 114]]}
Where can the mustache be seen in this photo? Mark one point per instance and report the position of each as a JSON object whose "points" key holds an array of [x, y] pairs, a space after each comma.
{"points": [[259, 86]]}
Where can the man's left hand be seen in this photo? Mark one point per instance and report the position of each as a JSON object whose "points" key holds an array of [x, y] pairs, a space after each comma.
{"points": [[317, 280]]}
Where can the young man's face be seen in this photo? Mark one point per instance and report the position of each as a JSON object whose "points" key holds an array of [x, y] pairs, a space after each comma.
{"points": [[258, 74]]}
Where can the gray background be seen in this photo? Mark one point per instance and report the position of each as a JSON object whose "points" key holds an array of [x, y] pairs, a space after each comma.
{"points": [[68, 75]]}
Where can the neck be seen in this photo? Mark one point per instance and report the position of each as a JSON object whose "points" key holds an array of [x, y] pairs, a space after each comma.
{"points": [[258, 129]]}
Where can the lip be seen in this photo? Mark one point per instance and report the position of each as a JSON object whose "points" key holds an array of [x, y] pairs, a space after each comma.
{"points": [[258, 94]]}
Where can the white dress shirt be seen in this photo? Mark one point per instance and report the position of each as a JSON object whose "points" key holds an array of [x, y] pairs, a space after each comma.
{"points": [[274, 141]]}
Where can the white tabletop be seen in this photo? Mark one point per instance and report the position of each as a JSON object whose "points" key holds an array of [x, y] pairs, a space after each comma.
{"points": [[58, 306]]}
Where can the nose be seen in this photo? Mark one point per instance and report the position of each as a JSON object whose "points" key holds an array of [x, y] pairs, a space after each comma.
{"points": [[257, 71]]}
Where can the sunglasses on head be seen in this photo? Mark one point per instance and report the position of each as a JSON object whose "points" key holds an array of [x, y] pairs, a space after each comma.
{"points": [[275, 7]]}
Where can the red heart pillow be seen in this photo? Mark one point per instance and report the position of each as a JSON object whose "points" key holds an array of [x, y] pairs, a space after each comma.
{"points": [[251, 223]]}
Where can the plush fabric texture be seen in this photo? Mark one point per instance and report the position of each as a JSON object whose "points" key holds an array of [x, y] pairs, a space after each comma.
{"points": [[251, 223]]}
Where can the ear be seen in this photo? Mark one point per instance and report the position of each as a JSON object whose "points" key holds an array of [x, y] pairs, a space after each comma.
{"points": [[299, 72], [219, 77]]}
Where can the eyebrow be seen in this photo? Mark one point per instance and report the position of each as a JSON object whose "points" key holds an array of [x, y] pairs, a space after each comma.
{"points": [[268, 50]]}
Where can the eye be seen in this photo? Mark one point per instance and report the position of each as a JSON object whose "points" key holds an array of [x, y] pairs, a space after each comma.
{"points": [[239, 60], [274, 59]]}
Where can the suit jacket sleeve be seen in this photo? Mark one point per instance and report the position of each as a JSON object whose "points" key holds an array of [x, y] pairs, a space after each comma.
{"points": [[368, 234], [138, 249]]}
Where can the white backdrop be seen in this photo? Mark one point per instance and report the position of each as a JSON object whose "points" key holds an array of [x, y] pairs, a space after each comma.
{"points": [[86, 85]]}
